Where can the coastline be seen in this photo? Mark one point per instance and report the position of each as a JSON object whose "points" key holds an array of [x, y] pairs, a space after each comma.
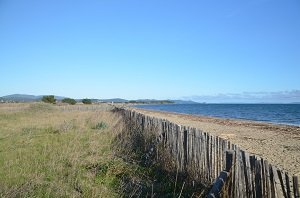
{"points": [[222, 116], [277, 143]]}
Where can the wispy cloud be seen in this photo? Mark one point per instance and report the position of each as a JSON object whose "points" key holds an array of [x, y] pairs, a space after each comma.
{"points": [[249, 97]]}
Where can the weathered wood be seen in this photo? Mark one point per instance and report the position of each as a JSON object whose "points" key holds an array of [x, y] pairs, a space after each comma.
{"points": [[263, 178], [236, 172], [246, 174], [190, 147], [252, 159], [229, 160], [267, 179], [204, 156], [185, 146], [218, 185], [288, 187], [211, 154], [203, 160], [178, 149], [224, 148], [296, 187], [242, 183], [218, 156], [207, 164], [182, 150], [200, 153], [272, 181], [279, 192], [282, 183], [258, 183], [196, 157]]}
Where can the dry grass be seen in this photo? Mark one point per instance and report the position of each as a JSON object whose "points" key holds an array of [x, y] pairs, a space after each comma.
{"points": [[59, 151], [80, 151]]}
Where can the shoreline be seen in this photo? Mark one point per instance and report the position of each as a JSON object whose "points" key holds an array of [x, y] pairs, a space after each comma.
{"points": [[219, 117], [239, 120], [277, 143]]}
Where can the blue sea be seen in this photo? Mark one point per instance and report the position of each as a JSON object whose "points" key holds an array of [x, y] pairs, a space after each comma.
{"points": [[273, 113]]}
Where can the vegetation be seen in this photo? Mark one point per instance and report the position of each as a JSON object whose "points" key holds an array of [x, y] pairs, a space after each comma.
{"points": [[87, 101], [70, 101], [49, 99], [49, 152], [160, 174], [100, 125], [54, 151]]}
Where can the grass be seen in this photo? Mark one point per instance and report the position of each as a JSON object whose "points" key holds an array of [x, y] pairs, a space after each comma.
{"points": [[160, 174], [79, 151], [54, 151]]}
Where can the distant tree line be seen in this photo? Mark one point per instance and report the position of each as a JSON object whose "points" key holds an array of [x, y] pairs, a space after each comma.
{"points": [[87, 101], [70, 101], [51, 99]]}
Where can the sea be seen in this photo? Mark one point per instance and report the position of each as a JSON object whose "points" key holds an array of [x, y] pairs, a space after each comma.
{"points": [[288, 114]]}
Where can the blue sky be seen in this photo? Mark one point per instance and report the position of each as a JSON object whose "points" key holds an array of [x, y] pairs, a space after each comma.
{"points": [[151, 49]]}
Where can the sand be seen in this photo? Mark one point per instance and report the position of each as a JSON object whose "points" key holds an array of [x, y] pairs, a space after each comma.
{"points": [[279, 144]]}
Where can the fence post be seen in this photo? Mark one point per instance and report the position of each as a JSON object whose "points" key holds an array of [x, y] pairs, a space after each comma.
{"points": [[229, 160], [218, 185], [185, 147], [222, 179], [296, 186]]}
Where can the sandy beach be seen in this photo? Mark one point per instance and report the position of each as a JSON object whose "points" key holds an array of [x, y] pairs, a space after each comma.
{"points": [[279, 144]]}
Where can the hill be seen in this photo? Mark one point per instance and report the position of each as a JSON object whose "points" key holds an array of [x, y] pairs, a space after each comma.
{"points": [[25, 98], [184, 102], [21, 98], [116, 100], [33, 98]]}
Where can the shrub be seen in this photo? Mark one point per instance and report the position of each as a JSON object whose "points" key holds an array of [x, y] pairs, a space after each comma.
{"points": [[100, 125], [87, 101], [49, 99], [70, 101]]}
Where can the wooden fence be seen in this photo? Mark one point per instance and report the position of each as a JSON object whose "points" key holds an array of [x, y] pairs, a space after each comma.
{"points": [[216, 161]]}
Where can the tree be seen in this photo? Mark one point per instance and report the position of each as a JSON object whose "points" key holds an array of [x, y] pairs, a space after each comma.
{"points": [[87, 101], [49, 99], [70, 101]]}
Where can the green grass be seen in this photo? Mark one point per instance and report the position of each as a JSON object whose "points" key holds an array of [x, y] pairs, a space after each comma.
{"points": [[48, 152], [77, 151]]}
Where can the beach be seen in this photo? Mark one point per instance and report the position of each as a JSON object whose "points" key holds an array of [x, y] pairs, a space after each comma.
{"points": [[279, 144]]}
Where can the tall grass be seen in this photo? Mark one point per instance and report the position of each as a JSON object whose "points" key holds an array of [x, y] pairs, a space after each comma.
{"points": [[46, 151], [160, 173], [81, 151]]}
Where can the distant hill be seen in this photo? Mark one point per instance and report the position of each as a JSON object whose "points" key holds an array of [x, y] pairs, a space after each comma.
{"points": [[117, 100], [33, 98], [21, 98], [25, 98], [184, 102], [151, 101], [154, 101]]}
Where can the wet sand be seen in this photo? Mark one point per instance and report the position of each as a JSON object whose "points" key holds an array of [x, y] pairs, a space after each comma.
{"points": [[279, 144]]}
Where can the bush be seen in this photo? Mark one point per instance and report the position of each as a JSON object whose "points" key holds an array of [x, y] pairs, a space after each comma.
{"points": [[49, 99], [100, 125], [87, 101], [70, 101]]}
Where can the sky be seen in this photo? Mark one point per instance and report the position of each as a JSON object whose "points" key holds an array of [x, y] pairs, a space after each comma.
{"points": [[221, 51]]}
